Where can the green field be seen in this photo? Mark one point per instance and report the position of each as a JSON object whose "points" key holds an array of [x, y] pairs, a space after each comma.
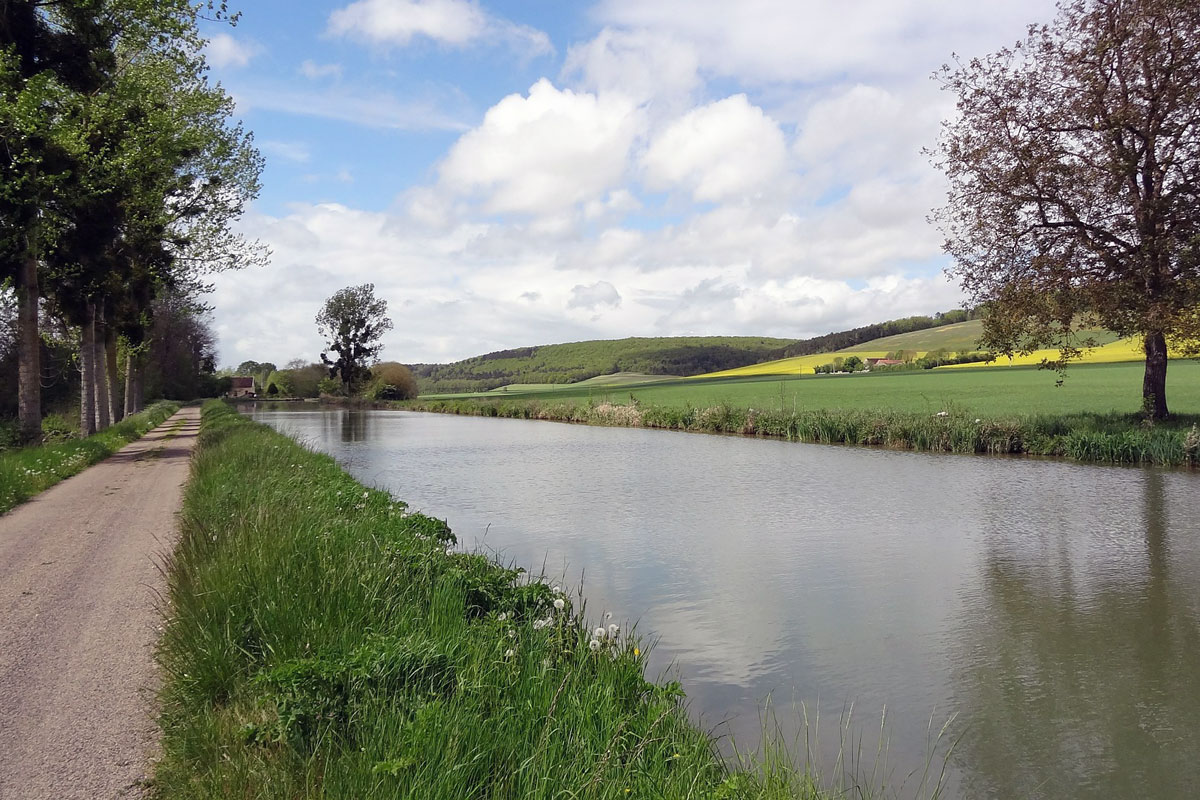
{"points": [[1019, 391]]}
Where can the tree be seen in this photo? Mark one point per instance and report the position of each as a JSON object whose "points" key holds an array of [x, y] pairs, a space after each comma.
{"points": [[1074, 171], [352, 320]]}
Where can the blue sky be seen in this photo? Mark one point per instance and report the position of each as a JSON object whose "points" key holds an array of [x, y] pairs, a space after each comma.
{"points": [[516, 173]]}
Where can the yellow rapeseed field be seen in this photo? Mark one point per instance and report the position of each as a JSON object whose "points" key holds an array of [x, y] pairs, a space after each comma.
{"points": [[1122, 350]]}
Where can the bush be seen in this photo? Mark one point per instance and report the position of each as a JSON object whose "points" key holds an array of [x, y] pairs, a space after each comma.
{"points": [[391, 380]]}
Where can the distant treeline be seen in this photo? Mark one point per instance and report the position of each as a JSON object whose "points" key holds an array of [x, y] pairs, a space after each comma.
{"points": [[683, 356]]}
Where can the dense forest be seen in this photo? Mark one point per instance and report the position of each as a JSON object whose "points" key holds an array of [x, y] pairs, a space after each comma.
{"points": [[683, 356]]}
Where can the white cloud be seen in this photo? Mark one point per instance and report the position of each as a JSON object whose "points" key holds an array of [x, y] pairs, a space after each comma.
{"points": [[222, 51], [719, 151], [600, 293], [762, 41], [543, 153], [640, 64], [314, 71], [372, 109], [457, 23], [733, 168], [289, 151]]}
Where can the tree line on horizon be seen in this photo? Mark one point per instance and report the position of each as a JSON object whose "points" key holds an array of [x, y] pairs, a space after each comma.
{"points": [[121, 175]]}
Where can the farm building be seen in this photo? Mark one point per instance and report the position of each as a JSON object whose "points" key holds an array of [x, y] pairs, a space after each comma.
{"points": [[241, 387], [883, 362]]}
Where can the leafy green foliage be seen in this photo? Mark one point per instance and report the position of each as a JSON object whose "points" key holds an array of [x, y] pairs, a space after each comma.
{"points": [[352, 321]]}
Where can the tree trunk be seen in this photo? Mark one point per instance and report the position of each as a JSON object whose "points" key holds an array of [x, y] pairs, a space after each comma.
{"points": [[139, 381], [114, 383], [87, 373], [1154, 385], [129, 383], [29, 343], [100, 365]]}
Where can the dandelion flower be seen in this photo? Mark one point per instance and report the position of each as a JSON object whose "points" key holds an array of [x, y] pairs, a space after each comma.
{"points": [[608, 615], [599, 633], [557, 590], [538, 624], [594, 644], [503, 615], [512, 633], [613, 630], [559, 604], [636, 652], [365, 494], [508, 653]]}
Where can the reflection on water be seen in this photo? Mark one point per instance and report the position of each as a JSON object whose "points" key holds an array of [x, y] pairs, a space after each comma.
{"points": [[1081, 650], [1052, 607]]}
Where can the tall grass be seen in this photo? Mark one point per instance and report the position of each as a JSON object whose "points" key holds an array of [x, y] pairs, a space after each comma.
{"points": [[27, 471], [1110, 438], [323, 641]]}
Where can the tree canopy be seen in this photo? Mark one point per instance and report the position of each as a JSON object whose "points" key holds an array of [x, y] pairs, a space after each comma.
{"points": [[1074, 170], [121, 176], [352, 321]]}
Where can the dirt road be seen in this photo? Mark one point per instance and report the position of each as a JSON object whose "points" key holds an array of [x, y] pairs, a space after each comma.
{"points": [[79, 587]]}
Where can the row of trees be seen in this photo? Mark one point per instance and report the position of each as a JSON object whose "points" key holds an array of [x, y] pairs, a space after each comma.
{"points": [[121, 175]]}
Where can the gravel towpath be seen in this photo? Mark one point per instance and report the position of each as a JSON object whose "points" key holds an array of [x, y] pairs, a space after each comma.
{"points": [[80, 587]]}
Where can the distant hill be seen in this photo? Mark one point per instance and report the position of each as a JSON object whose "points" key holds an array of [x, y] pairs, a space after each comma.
{"points": [[681, 356], [579, 361]]}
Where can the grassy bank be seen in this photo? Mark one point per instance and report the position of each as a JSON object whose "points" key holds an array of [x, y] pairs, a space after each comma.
{"points": [[26, 471], [324, 642], [1110, 438]]}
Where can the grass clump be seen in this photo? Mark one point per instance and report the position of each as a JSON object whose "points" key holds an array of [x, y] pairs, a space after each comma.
{"points": [[324, 641], [24, 472]]}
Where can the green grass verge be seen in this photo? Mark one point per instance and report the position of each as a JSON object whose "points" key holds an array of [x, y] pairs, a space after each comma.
{"points": [[322, 641], [1083, 435], [26, 471]]}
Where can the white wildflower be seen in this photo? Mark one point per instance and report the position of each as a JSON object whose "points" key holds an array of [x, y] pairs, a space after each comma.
{"points": [[508, 653], [608, 615], [502, 616], [538, 624], [978, 421], [512, 634], [365, 494], [613, 630], [559, 605], [599, 633], [557, 590], [594, 645]]}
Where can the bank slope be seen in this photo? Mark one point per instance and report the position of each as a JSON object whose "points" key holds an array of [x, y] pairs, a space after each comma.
{"points": [[325, 642]]}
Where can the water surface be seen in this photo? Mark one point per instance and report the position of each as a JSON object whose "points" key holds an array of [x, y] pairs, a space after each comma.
{"points": [[1052, 610]]}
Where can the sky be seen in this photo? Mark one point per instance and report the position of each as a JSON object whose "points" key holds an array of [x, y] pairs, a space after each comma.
{"points": [[518, 173]]}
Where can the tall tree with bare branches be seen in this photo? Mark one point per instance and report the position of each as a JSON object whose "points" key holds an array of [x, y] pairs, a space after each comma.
{"points": [[1074, 170]]}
